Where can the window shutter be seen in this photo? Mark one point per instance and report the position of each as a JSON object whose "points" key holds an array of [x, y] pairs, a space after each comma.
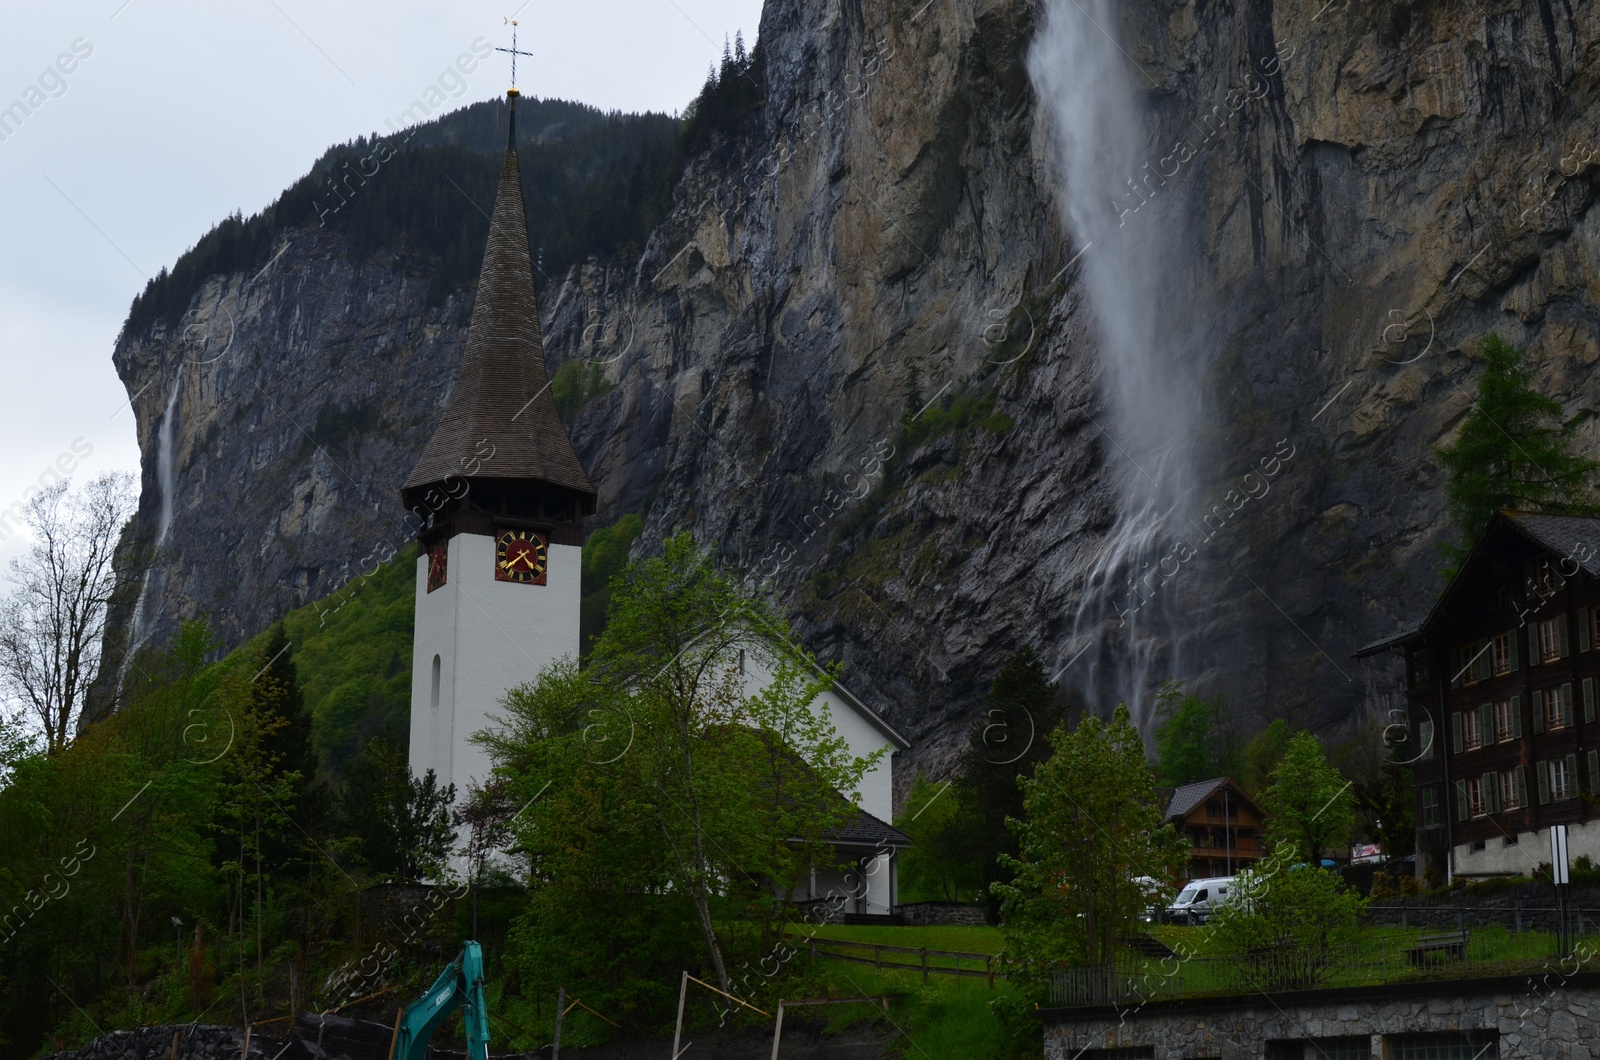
{"points": [[1455, 733], [1485, 724], [1583, 629], [1594, 772], [1511, 648], [1533, 645], [1483, 662], [1425, 738], [1572, 775], [1588, 699], [1520, 781], [1542, 770], [1461, 800], [1516, 717], [1538, 713], [1491, 792], [1561, 635], [1566, 703]]}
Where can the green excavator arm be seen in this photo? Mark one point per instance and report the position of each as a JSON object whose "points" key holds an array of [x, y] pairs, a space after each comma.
{"points": [[461, 984]]}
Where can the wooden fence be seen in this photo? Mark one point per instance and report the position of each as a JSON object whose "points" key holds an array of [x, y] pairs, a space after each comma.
{"points": [[982, 963]]}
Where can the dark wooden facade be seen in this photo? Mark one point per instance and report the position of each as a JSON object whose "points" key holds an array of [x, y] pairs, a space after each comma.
{"points": [[1221, 823], [1501, 680]]}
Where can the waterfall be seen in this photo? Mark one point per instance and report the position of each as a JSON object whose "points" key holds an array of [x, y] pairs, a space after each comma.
{"points": [[166, 478], [1128, 228]]}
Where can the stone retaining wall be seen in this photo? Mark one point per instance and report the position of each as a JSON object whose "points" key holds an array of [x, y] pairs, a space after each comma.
{"points": [[195, 1042], [1531, 904], [1554, 1020], [924, 914]]}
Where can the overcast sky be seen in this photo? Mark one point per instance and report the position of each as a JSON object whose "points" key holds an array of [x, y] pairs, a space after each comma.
{"points": [[174, 114]]}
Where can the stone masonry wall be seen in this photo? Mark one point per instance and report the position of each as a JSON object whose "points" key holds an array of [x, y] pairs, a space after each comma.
{"points": [[1553, 1019]]}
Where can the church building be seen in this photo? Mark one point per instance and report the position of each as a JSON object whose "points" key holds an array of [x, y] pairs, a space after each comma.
{"points": [[502, 497]]}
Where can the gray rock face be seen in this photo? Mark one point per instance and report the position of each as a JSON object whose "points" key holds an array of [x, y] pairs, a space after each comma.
{"points": [[1386, 186]]}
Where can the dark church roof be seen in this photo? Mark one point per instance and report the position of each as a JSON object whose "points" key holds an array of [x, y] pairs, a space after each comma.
{"points": [[867, 830], [501, 402]]}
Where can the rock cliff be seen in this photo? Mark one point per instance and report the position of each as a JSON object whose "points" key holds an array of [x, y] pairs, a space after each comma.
{"points": [[859, 360]]}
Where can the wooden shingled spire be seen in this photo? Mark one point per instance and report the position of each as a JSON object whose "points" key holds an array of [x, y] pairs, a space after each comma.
{"points": [[500, 420]]}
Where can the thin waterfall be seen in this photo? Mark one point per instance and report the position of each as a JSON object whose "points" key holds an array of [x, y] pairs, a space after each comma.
{"points": [[166, 480], [1128, 230]]}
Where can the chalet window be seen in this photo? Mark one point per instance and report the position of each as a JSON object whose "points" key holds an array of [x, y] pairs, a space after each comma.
{"points": [[1554, 705], [1514, 788], [1471, 734], [1508, 719], [1552, 639], [1477, 804], [1430, 807], [1502, 654], [1563, 778], [1475, 665], [1425, 738], [1213, 809], [1421, 671]]}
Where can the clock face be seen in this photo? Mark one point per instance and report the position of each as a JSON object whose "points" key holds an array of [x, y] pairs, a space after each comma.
{"points": [[520, 556], [437, 554]]}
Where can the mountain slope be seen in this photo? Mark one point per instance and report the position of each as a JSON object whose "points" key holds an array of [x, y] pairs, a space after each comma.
{"points": [[1362, 195]]}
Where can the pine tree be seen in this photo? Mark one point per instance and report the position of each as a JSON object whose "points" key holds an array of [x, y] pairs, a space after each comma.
{"points": [[1513, 451]]}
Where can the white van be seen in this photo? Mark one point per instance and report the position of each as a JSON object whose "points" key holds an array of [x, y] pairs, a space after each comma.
{"points": [[1199, 899]]}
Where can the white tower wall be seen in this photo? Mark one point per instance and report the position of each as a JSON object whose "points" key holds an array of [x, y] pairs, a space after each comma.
{"points": [[489, 636]]}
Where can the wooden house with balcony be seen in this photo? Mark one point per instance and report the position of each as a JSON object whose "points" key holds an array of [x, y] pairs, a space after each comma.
{"points": [[1221, 822], [1500, 690]]}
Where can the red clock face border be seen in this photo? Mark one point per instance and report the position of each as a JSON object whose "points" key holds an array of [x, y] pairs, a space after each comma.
{"points": [[438, 560], [521, 556]]}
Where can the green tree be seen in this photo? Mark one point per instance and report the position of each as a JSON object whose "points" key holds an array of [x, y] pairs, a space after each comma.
{"points": [[1287, 924], [1263, 753], [733, 790], [1006, 744], [1091, 826], [1309, 803], [1513, 451], [1192, 738], [938, 867], [400, 821], [1384, 797]]}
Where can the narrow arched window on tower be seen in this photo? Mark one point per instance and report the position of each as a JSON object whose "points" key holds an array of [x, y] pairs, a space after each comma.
{"points": [[434, 700]]}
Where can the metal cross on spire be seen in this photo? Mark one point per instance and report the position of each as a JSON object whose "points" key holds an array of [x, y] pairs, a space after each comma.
{"points": [[513, 50]]}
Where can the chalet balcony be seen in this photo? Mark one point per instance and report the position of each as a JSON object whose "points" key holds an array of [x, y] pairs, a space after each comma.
{"points": [[1249, 849]]}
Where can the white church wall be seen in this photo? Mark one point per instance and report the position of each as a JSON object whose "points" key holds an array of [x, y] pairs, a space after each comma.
{"points": [[876, 794], [491, 636]]}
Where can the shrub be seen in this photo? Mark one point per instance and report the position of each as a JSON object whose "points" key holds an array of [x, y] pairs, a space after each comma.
{"points": [[1381, 887]]}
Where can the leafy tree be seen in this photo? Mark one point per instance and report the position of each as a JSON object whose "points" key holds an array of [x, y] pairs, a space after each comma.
{"points": [[1513, 451], [1287, 923], [1091, 826], [1384, 797], [400, 821], [1308, 803], [1192, 739], [1007, 744], [53, 624], [1263, 753], [938, 867], [730, 792]]}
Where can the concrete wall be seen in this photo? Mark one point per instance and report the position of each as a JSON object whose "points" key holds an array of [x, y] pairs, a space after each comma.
{"points": [[1553, 1020], [1501, 857], [490, 636]]}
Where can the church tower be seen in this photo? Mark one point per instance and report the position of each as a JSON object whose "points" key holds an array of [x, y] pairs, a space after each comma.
{"points": [[501, 496]]}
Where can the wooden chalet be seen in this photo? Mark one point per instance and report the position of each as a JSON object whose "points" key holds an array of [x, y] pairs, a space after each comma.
{"points": [[1500, 691], [1221, 822]]}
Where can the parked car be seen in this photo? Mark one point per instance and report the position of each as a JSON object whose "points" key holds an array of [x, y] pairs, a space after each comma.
{"points": [[1155, 895], [1199, 899]]}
